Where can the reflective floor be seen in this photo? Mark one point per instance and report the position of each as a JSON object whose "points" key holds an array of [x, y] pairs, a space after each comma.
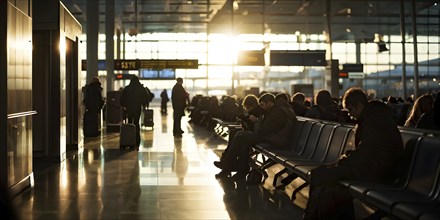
{"points": [[168, 178]]}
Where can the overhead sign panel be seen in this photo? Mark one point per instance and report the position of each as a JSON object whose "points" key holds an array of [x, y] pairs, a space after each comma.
{"points": [[297, 58], [135, 64], [251, 58], [126, 65], [168, 64], [353, 67], [356, 75]]}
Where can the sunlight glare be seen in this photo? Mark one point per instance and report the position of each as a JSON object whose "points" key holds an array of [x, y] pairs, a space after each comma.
{"points": [[225, 49]]}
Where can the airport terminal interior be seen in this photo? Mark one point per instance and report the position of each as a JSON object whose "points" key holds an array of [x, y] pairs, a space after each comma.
{"points": [[51, 51]]}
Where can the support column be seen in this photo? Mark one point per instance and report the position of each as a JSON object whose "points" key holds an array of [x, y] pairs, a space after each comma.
{"points": [[118, 44], [109, 42], [416, 60], [402, 35], [92, 39]]}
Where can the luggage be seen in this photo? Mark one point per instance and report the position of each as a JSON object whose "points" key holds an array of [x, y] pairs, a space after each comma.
{"points": [[127, 136], [91, 124], [148, 118]]}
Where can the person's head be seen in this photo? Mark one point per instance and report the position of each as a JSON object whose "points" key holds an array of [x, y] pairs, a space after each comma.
{"points": [[298, 98], [422, 105], [355, 101], [250, 102], [266, 101], [95, 80], [134, 80], [392, 99], [324, 98], [282, 96], [179, 80]]}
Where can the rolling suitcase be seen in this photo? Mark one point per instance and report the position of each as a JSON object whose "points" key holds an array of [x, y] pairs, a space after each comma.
{"points": [[91, 126], [127, 136], [148, 118]]}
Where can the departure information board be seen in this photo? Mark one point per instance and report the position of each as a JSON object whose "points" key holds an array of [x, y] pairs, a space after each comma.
{"points": [[148, 64]]}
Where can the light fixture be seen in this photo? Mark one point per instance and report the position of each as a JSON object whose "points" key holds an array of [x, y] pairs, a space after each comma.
{"points": [[378, 39]]}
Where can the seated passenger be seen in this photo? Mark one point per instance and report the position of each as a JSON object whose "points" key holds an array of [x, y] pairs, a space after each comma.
{"points": [[275, 129], [378, 145], [298, 104], [325, 108], [431, 119], [422, 105], [284, 96], [252, 110]]}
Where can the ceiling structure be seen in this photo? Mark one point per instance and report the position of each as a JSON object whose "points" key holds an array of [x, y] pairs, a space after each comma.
{"points": [[351, 20]]}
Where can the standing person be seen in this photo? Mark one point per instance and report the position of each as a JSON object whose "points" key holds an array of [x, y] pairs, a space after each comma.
{"points": [[179, 98], [92, 96], [150, 97], [133, 98], [378, 145], [93, 103], [163, 102]]}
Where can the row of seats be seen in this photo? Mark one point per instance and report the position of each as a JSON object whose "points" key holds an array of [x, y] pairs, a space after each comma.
{"points": [[315, 143]]}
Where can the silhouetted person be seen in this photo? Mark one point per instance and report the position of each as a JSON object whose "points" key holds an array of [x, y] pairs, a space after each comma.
{"points": [[431, 119], [378, 145], [298, 104], [422, 105], [284, 96], [93, 103], [179, 98], [150, 97], [92, 96], [134, 97], [275, 129], [163, 101], [325, 108], [253, 113]]}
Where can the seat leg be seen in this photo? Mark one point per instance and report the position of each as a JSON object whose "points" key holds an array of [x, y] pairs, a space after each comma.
{"points": [[277, 175], [302, 186]]}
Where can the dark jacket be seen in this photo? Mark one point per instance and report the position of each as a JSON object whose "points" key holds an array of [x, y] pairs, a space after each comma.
{"points": [[378, 144], [178, 99], [92, 97], [246, 123], [164, 97], [133, 97], [328, 113], [299, 109], [277, 125]]}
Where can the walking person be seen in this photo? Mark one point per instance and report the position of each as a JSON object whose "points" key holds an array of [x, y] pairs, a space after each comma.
{"points": [[164, 100], [134, 97], [179, 98]]}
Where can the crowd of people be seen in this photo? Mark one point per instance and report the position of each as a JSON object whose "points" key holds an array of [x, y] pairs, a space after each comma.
{"points": [[378, 145]]}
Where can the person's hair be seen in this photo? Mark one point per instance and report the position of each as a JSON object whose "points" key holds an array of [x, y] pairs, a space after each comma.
{"points": [[282, 96], [267, 97], [180, 80], [250, 100], [298, 97], [392, 99], [353, 96], [324, 98], [422, 105]]}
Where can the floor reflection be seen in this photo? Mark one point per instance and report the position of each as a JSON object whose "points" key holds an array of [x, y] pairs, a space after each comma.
{"points": [[168, 178]]}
